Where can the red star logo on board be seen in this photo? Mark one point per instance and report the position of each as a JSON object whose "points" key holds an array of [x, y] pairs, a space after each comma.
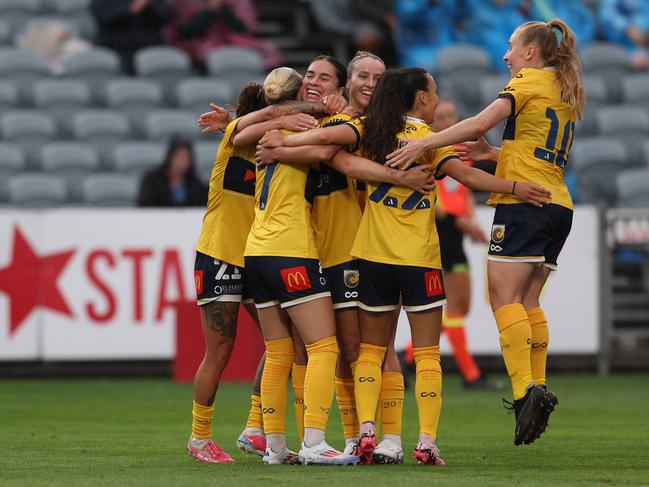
{"points": [[249, 175], [30, 281]]}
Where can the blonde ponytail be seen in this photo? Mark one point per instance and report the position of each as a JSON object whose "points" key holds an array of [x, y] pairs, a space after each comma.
{"points": [[557, 43], [282, 84]]}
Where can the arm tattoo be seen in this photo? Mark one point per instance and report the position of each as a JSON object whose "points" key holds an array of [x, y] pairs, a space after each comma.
{"points": [[291, 107], [223, 319]]}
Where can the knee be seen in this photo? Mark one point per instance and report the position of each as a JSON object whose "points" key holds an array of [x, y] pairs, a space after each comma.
{"points": [[218, 354], [349, 351]]}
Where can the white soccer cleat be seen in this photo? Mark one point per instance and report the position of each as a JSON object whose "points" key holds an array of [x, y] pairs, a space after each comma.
{"points": [[387, 451], [323, 454], [351, 448], [283, 457]]}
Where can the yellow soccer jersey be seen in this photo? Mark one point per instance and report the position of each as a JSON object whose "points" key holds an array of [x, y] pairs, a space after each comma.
{"points": [[282, 225], [336, 213], [230, 202], [398, 224], [537, 136]]}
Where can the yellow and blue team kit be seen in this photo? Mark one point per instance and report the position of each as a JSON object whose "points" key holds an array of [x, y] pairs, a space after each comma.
{"points": [[218, 270], [281, 257], [336, 215], [397, 239], [536, 145]]}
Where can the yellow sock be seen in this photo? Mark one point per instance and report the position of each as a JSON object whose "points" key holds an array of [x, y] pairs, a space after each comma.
{"points": [[428, 388], [202, 421], [297, 378], [392, 402], [319, 382], [279, 357], [367, 381], [347, 407], [255, 416], [515, 339], [352, 365], [540, 342]]}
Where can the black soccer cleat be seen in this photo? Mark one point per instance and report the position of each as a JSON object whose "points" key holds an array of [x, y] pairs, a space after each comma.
{"points": [[541, 422], [529, 412]]}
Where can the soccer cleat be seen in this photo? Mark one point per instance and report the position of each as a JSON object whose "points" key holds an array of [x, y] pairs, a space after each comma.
{"points": [[388, 451], [530, 412], [427, 453], [366, 446], [283, 457], [252, 444], [207, 451], [351, 448], [323, 454], [541, 422]]}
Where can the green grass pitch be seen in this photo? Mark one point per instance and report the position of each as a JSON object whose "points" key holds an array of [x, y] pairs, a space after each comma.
{"points": [[133, 432]]}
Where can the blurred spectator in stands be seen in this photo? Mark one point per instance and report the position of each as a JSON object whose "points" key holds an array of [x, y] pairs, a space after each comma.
{"points": [[627, 22], [55, 41], [174, 183], [491, 23], [202, 25], [129, 25], [423, 27], [367, 23], [575, 13]]}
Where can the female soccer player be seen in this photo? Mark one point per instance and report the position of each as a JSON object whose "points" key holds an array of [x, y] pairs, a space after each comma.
{"points": [[219, 265], [393, 266], [336, 216], [541, 103], [286, 282]]}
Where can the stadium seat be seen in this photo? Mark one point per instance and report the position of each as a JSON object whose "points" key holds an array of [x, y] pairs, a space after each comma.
{"points": [[162, 124], [109, 190], [12, 161], [34, 23], [626, 123], [37, 190], [24, 68], [70, 7], [196, 94], [62, 99], [635, 90], [135, 158], [167, 65], [16, 12], [596, 97], [30, 129], [459, 67], [135, 98], [8, 96], [237, 65], [596, 162], [490, 86], [103, 129], [5, 33], [204, 157], [633, 188], [610, 61], [97, 66], [71, 160]]}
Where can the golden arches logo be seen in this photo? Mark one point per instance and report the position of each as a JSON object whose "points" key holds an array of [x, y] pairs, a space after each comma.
{"points": [[296, 279], [434, 286]]}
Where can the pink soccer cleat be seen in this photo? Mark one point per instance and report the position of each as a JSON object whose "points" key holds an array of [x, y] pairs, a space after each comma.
{"points": [[427, 453], [252, 444], [207, 451]]}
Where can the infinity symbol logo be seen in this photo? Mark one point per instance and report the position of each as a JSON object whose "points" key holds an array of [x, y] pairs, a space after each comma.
{"points": [[366, 379], [428, 394], [268, 410]]}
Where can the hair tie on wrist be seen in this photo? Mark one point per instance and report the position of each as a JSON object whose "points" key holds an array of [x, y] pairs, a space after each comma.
{"points": [[514, 188]]}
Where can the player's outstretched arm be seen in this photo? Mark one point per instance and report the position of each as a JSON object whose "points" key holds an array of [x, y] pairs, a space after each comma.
{"points": [[419, 179], [342, 134], [477, 179], [296, 123], [479, 150], [468, 129], [306, 154]]}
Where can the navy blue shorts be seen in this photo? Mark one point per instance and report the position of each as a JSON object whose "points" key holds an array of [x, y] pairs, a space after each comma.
{"points": [[384, 287], [219, 281], [344, 282], [284, 281], [526, 233]]}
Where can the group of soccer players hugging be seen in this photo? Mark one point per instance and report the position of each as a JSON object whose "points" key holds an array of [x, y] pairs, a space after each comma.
{"points": [[321, 222]]}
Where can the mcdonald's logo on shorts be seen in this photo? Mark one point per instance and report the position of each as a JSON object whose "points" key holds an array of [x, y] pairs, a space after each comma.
{"points": [[296, 279], [198, 281], [434, 285]]}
